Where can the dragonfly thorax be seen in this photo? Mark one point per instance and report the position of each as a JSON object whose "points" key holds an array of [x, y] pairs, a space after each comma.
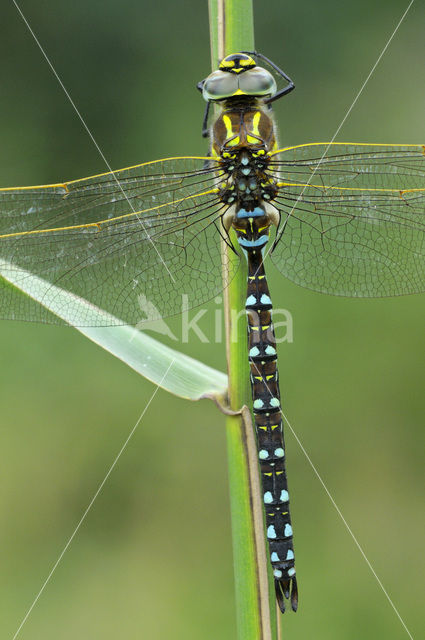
{"points": [[247, 184], [242, 125]]}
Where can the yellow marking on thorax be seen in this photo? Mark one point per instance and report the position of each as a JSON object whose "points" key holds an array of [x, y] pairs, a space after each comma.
{"points": [[253, 137], [255, 123], [228, 124], [229, 132]]}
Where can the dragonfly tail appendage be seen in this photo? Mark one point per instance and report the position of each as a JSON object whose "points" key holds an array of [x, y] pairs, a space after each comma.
{"points": [[286, 589]]}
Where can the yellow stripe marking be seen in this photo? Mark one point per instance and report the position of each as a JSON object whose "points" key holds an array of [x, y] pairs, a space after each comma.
{"points": [[107, 221], [325, 188], [346, 144], [255, 123], [234, 142], [264, 428], [275, 426], [101, 175], [269, 474], [229, 131], [270, 377], [228, 124], [279, 473]]}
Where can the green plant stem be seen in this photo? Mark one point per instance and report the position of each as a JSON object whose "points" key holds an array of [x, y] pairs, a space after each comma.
{"points": [[232, 30]]}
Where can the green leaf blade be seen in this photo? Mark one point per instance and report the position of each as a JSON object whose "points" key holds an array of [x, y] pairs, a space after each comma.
{"points": [[173, 371]]}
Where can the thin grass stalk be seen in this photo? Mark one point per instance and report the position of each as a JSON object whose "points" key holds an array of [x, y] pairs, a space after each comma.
{"points": [[232, 30]]}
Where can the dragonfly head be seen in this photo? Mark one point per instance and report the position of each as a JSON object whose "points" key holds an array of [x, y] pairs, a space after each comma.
{"points": [[238, 75]]}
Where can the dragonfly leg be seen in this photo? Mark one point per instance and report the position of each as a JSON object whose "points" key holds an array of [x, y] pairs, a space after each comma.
{"points": [[205, 129]]}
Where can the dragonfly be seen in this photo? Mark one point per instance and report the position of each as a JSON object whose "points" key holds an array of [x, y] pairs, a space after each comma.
{"points": [[340, 218]]}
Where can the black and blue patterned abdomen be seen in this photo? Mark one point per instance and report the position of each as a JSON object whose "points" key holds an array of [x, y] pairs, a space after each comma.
{"points": [[252, 229]]}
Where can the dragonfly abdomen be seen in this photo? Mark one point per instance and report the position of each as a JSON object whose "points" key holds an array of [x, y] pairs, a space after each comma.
{"points": [[252, 230], [269, 429]]}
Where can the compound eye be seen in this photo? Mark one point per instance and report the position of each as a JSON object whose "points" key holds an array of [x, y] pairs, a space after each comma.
{"points": [[219, 85], [257, 82]]}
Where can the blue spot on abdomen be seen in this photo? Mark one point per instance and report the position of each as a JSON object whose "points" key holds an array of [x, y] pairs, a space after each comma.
{"points": [[243, 213], [260, 242]]}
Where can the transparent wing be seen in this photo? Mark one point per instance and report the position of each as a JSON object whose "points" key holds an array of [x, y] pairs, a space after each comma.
{"points": [[132, 242], [352, 222], [341, 164]]}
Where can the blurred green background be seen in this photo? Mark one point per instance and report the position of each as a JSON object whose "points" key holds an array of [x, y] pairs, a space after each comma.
{"points": [[153, 558]]}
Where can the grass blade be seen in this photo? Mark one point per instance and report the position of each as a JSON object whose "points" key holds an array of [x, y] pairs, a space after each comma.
{"points": [[232, 30], [187, 378]]}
